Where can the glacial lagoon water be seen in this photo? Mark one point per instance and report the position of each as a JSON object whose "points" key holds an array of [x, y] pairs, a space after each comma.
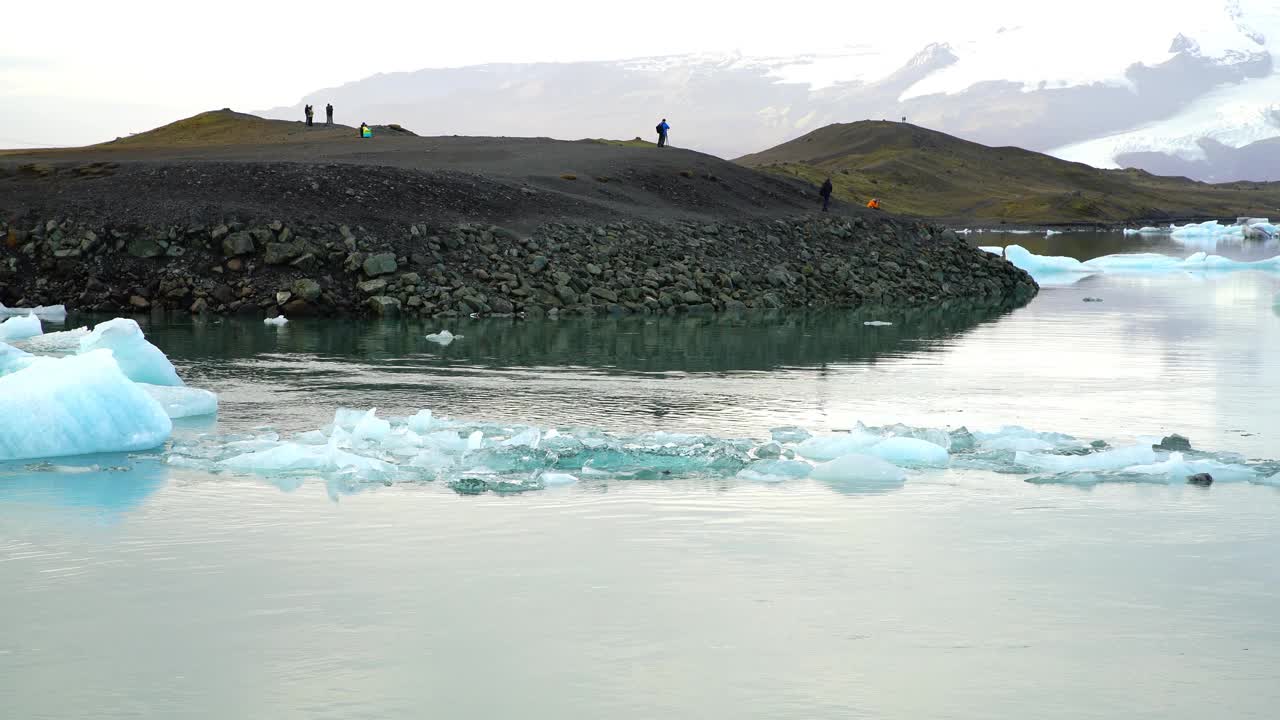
{"points": [[162, 585]]}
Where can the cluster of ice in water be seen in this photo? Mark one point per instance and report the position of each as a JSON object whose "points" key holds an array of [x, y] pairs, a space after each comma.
{"points": [[1246, 228], [1057, 270], [82, 391], [51, 313], [360, 447], [1047, 233]]}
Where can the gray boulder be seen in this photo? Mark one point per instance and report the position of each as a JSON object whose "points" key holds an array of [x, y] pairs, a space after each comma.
{"points": [[238, 243], [380, 264], [383, 306], [307, 289]]}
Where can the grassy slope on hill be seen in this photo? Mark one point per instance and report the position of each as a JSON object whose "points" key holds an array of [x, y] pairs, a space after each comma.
{"points": [[927, 173]]}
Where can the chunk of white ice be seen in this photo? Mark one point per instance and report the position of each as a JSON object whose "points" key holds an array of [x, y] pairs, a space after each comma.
{"points": [[444, 337], [865, 470], [138, 359], [52, 313], [277, 320], [77, 405], [19, 327], [1117, 459], [910, 452]]}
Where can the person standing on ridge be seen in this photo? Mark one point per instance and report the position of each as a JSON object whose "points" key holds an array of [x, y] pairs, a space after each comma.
{"points": [[328, 114], [662, 128], [825, 192], [310, 113]]}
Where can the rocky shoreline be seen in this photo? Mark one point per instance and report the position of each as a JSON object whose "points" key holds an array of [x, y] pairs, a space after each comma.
{"points": [[268, 268]]}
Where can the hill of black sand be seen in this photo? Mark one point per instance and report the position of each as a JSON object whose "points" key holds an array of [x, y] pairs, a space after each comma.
{"points": [[926, 173], [225, 212], [221, 163]]}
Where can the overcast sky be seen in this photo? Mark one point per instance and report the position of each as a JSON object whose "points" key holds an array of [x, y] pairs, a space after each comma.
{"points": [[74, 71]]}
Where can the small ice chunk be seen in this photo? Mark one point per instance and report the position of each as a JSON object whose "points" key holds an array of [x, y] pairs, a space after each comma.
{"points": [[475, 440], [432, 459], [181, 402], [294, 457], [789, 434], [277, 320], [830, 447], [877, 323], [77, 405], [311, 437], [1273, 480], [421, 421], [444, 337], [140, 360], [1117, 459], [551, 479], [19, 327], [371, 427], [864, 470], [910, 452], [1178, 469], [775, 471], [526, 438]]}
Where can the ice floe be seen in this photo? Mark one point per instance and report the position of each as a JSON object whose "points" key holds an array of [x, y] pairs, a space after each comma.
{"points": [[19, 327], [1047, 269], [77, 405], [51, 313], [475, 457], [277, 320], [77, 392]]}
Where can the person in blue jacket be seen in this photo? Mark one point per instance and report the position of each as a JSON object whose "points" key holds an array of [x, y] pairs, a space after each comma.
{"points": [[663, 127]]}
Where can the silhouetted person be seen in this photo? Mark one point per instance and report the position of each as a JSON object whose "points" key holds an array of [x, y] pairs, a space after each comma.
{"points": [[365, 132], [328, 114], [310, 112], [825, 192], [662, 129]]}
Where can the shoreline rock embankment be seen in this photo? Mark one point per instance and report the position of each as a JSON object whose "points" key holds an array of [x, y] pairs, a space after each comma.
{"points": [[631, 267]]}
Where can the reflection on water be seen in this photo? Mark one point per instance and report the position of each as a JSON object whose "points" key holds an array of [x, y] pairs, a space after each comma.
{"points": [[166, 591]]}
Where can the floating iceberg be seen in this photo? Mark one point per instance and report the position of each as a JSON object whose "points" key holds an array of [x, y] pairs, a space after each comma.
{"points": [[294, 457], [910, 452], [52, 313], [77, 405], [277, 320], [140, 360], [19, 327], [444, 337], [877, 323], [865, 471]]}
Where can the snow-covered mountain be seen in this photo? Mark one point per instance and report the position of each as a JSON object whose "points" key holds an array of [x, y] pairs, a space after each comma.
{"points": [[1180, 92]]}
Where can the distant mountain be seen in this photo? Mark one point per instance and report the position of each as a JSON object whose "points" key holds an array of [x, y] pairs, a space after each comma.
{"points": [[1140, 102], [924, 172]]}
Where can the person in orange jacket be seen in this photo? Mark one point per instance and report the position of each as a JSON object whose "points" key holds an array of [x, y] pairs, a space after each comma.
{"points": [[874, 204]]}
